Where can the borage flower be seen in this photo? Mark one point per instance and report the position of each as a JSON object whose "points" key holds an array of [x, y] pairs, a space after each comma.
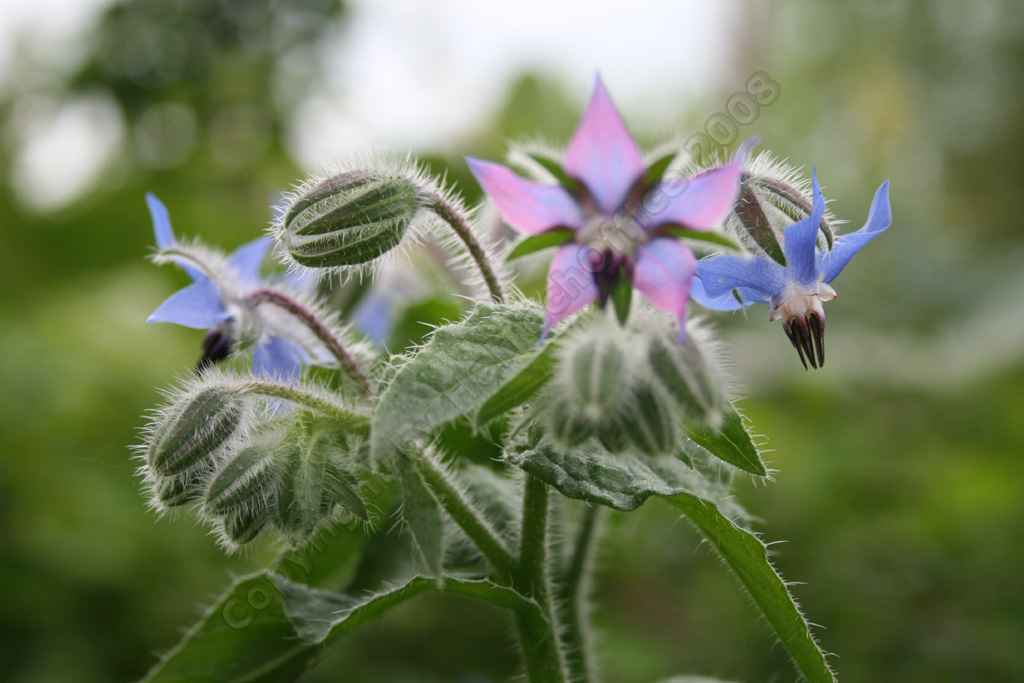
{"points": [[221, 300], [793, 292], [613, 216]]}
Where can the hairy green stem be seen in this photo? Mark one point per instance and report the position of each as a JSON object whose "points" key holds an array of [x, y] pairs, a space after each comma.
{"points": [[465, 514], [458, 223], [317, 327], [572, 591], [542, 651], [358, 423]]}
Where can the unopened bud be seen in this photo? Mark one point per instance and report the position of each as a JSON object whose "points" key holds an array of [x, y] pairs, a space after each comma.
{"points": [[649, 423], [312, 485], [193, 430], [565, 423], [349, 219], [245, 482], [690, 374], [172, 492], [243, 526], [595, 374]]}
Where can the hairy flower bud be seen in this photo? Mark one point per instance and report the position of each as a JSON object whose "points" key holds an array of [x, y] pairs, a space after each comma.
{"points": [[595, 372], [349, 219], [649, 422], [192, 431], [690, 373], [243, 526], [245, 482], [169, 492], [312, 483]]}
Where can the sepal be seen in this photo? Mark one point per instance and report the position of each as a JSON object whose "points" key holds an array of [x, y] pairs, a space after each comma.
{"points": [[352, 218]]}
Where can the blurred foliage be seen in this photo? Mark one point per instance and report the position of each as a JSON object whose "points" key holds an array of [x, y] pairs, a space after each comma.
{"points": [[899, 464]]}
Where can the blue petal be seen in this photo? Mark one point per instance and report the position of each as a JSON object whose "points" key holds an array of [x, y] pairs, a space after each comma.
{"points": [[301, 278], [278, 358], [375, 317], [801, 240], [602, 154], [165, 234], [247, 259], [664, 269], [571, 284], [721, 274], [699, 203], [726, 302], [527, 206], [161, 222], [198, 306], [879, 218]]}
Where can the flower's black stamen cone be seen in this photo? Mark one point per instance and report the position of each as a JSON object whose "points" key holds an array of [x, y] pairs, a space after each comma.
{"points": [[816, 324], [216, 347], [795, 334]]}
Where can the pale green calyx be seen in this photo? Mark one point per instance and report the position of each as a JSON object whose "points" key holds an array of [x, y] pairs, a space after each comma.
{"points": [[349, 219], [187, 437]]}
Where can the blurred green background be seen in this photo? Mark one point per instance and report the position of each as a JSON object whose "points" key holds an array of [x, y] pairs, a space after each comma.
{"points": [[899, 464]]}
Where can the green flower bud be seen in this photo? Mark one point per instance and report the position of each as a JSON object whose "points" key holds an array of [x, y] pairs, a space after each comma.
{"points": [[313, 484], [188, 435], [171, 492], [595, 374], [649, 422], [243, 526], [566, 424], [349, 219], [245, 482], [690, 373]]}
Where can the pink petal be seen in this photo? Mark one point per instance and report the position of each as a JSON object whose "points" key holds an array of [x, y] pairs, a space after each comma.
{"points": [[701, 202], [602, 153], [663, 273], [527, 206], [571, 284]]}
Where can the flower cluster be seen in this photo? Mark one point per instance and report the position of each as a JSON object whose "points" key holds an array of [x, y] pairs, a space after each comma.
{"points": [[615, 215]]}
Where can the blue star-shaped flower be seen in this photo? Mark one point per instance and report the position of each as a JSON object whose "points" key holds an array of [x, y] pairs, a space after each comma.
{"points": [[603, 224], [219, 300], [793, 292]]}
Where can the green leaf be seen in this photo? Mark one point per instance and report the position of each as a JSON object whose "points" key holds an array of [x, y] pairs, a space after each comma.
{"points": [[534, 243], [521, 387], [731, 443], [622, 296], [747, 557], [619, 480], [460, 368], [246, 634], [554, 167], [244, 637], [422, 513], [312, 611], [657, 169], [710, 236], [375, 605]]}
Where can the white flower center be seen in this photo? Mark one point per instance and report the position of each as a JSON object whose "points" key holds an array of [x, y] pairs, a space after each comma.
{"points": [[800, 299]]}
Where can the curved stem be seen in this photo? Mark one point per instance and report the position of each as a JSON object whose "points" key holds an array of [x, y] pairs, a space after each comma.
{"points": [[355, 421], [458, 223], [317, 327], [460, 509], [572, 591]]}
